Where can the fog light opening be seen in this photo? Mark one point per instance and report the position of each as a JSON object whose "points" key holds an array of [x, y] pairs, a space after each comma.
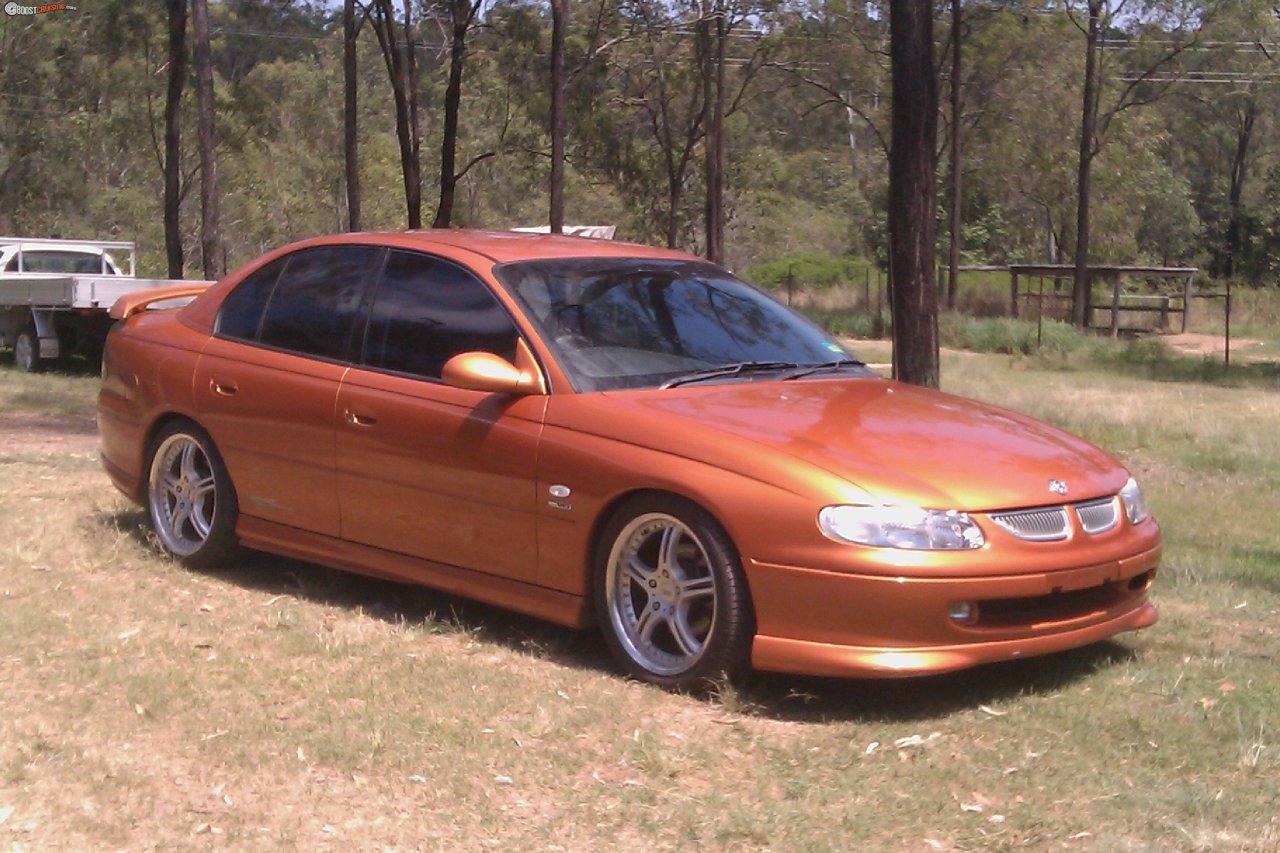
{"points": [[1142, 581], [963, 612]]}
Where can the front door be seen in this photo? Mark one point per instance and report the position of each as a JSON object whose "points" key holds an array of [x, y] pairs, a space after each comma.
{"points": [[425, 469]]}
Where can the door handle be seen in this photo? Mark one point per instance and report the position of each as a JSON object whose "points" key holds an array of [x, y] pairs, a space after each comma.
{"points": [[223, 389], [360, 420]]}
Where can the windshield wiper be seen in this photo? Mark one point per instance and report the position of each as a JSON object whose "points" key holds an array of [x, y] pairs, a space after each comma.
{"points": [[738, 369], [811, 369]]}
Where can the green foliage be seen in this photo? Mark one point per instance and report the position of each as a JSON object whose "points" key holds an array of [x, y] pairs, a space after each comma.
{"points": [[1009, 336], [1258, 257], [1169, 229], [850, 324], [808, 271]]}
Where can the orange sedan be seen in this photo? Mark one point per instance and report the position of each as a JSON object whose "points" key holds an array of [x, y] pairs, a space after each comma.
{"points": [[600, 433]]}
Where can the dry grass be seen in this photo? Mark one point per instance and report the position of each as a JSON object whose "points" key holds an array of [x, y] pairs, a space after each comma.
{"points": [[277, 705]]}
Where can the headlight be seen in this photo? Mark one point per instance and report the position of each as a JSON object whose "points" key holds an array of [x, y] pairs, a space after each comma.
{"points": [[1134, 506], [901, 527]]}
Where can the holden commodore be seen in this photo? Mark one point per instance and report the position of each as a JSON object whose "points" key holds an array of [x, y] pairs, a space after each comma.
{"points": [[600, 433]]}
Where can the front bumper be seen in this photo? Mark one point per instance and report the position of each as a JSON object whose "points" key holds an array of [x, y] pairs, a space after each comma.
{"points": [[850, 625]]}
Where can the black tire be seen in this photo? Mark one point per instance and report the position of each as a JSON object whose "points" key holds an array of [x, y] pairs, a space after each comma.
{"points": [[26, 351], [190, 498], [670, 594]]}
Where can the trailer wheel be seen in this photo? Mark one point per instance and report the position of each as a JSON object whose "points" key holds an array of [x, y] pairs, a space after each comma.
{"points": [[26, 351]]}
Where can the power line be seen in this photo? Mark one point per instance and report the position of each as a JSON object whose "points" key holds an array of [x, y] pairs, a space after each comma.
{"points": [[1205, 78]]}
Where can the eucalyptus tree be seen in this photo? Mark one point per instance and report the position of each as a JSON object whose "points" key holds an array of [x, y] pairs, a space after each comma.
{"points": [[212, 251], [397, 40], [912, 194], [351, 25], [728, 77], [177, 78], [1155, 36], [1224, 116], [461, 16], [1018, 163], [560, 10], [660, 113], [839, 50], [954, 87]]}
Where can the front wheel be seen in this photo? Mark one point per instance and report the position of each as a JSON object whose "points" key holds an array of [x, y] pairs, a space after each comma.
{"points": [[190, 498], [670, 594]]}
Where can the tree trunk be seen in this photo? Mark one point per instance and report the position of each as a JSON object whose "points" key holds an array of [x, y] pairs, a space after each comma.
{"points": [[350, 149], [211, 248], [674, 192], [173, 136], [1081, 283], [953, 261], [460, 11], [1244, 134], [559, 23], [410, 86], [713, 96], [404, 89], [852, 119], [912, 195]]}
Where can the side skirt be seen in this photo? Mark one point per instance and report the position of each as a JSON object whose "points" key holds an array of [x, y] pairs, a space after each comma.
{"points": [[537, 601]]}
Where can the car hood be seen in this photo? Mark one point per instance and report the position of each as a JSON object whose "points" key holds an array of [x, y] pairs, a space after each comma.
{"points": [[899, 443]]}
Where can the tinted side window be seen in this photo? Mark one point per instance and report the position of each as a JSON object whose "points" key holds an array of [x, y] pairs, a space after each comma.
{"points": [[241, 311], [426, 311], [314, 305]]}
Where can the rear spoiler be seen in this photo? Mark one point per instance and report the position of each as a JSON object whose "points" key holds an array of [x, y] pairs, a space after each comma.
{"points": [[138, 300]]}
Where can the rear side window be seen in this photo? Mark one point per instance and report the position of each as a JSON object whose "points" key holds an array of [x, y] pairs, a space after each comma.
{"points": [[241, 312], [427, 310], [311, 306], [315, 303]]}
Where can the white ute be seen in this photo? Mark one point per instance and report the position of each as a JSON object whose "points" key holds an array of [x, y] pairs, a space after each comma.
{"points": [[55, 295]]}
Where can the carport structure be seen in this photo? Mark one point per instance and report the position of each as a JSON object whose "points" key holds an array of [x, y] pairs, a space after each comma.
{"points": [[1175, 299], [1172, 301]]}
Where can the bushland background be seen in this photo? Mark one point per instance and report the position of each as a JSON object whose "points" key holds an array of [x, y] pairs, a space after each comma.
{"points": [[1185, 170]]}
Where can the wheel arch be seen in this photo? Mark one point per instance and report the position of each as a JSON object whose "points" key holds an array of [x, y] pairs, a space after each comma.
{"points": [[161, 422], [158, 424], [609, 511]]}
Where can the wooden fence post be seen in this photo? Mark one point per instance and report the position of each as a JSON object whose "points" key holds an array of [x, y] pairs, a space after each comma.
{"points": [[1186, 304], [1115, 306]]}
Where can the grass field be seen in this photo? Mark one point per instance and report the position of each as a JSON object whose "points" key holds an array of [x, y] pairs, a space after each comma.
{"points": [[277, 705]]}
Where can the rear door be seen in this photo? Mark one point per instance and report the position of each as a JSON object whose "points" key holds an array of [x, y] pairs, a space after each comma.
{"points": [[267, 383], [424, 469]]}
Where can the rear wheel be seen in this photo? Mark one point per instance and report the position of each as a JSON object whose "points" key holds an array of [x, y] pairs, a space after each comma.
{"points": [[190, 499], [670, 594], [26, 351]]}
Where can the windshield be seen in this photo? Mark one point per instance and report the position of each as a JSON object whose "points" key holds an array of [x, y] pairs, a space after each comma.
{"points": [[640, 323], [60, 261]]}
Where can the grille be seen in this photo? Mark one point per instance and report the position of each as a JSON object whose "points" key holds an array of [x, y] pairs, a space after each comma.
{"points": [[1098, 516], [1047, 524]]}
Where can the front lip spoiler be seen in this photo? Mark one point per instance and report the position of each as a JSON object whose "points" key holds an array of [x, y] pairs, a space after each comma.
{"points": [[807, 657]]}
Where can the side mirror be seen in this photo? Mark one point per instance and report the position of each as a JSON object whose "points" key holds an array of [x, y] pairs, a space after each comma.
{"points": [[484, 371]]}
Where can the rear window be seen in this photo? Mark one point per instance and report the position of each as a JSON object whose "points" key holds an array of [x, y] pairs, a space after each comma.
{"points": [[60, 261]]}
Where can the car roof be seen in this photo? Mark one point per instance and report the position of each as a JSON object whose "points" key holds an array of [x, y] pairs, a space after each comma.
{"points": [[35, 246], [459, 244], [506, 246]]}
